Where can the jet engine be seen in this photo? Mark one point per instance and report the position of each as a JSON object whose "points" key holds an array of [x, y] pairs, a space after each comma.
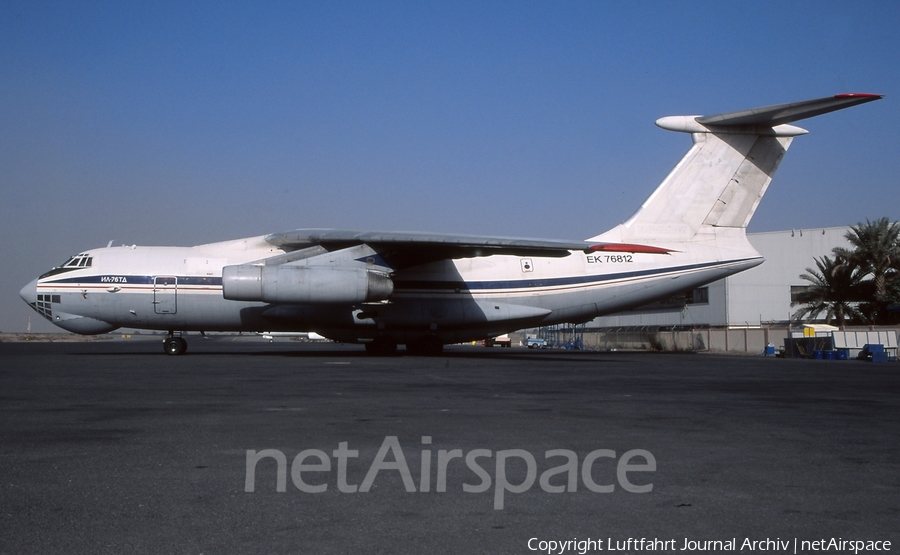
{"points": [[304, 284]]}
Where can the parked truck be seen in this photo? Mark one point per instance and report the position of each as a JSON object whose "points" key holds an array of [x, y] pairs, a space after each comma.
{"points": [[501, 340]]}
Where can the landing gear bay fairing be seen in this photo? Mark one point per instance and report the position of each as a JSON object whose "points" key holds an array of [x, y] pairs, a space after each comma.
{"points": [[426, 290]]}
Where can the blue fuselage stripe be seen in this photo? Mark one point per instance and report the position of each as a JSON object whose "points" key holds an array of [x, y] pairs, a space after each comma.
{"points": [[400, 284], [120, 279]]}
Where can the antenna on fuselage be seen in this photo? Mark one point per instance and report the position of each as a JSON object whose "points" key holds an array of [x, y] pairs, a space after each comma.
{"points": [[108, 245]]}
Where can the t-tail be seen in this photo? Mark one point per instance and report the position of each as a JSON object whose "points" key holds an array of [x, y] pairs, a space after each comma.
{"points": [[710, 196]]}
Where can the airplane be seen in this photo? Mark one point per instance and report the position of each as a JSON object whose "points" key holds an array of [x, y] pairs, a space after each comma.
{"points": [[425, 290]]}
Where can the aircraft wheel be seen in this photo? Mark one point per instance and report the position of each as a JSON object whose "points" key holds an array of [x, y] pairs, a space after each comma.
{"points": [[175, 346], [382, 347], [425, 347]]}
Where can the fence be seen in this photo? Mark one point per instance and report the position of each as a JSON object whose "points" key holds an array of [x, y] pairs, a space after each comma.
{"points": [[735, 340], [749, 340]]}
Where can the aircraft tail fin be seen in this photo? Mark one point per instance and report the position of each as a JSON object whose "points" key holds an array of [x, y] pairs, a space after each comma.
{"points": [[721, 180]]}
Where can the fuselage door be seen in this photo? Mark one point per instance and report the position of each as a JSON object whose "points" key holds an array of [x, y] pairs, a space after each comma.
{"points": [[165, 290]]}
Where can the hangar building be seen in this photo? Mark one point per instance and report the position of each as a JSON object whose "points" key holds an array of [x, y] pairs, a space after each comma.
{"points": [[760, 296]]}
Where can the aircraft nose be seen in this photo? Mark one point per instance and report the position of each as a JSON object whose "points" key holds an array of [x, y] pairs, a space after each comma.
{"points": [[29, 292]]}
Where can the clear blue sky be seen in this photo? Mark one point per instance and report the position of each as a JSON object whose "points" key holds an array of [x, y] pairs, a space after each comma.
{"points": [[183, 123]]}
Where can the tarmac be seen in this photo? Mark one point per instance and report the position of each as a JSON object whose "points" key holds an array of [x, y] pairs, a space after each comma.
{"points": [[114, 447]]}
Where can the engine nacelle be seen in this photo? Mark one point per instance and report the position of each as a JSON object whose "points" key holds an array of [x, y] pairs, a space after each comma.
{"points": [[302, 284]]}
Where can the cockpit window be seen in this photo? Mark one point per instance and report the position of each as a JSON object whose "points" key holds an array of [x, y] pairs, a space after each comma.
{"points": [[78, 261], [74, 263]]}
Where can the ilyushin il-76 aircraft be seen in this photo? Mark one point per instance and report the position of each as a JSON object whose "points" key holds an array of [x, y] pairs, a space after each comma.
{"points": [[427, 290]]}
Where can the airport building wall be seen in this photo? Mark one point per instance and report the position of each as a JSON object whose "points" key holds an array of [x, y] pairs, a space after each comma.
{"points": [[763, 294], [730, 340], [760, 296]]}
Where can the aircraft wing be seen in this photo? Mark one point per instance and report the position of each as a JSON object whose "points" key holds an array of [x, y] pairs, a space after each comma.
{"points": [[406, 249]]}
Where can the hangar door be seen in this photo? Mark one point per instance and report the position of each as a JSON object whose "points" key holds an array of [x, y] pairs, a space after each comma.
{"points": [[165, 291]]}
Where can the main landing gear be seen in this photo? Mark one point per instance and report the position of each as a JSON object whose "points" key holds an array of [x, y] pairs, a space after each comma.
{"points": [[385, 346], [429, 346], [174, 345], [382, 346]]}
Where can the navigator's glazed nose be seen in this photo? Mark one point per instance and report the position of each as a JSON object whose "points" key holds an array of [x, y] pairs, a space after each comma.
{"points": [[29, 292]]}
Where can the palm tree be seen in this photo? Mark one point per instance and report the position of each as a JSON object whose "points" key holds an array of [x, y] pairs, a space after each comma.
{"points": [[876, 250], [836, 289]]}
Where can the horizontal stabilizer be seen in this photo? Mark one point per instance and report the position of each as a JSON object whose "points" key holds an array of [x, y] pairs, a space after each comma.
{"points": [[786, 113]]}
